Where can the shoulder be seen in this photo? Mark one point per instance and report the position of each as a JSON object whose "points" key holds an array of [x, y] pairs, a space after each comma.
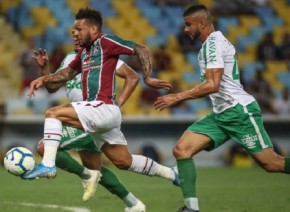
{"points": [[110, 37], [70, 54]]}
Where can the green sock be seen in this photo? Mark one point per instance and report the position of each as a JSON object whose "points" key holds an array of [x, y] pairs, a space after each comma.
{"points": [[66, 162], [287, 165], [187, 176], [112, 183]]}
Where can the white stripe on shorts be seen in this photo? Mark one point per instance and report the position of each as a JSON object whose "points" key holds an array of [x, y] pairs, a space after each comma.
{"points": [[73, 140], [262, 142]]}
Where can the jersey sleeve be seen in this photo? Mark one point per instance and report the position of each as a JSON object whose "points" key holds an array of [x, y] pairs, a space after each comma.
{"points": [[115, 45], [213, 53], [76, 64]]}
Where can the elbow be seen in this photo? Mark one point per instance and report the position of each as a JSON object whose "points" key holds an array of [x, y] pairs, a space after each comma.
{"points": [[136, 79], [213, 88], [50, 89]]}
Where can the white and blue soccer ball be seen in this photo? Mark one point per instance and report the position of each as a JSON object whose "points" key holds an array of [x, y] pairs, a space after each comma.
{"points": [[19, 160]]}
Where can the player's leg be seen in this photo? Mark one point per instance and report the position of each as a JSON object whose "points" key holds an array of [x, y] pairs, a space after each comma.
{"points": [[92, 161], [109, 180], [51, 140], [254, 138], [123, 159], [189, 144], [103, 122], [65, 161], [112, 183], [203, 134], [272, 162]]}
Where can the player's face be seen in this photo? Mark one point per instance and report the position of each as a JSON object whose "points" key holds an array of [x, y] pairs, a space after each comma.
{"points": [[76, 41], [82, 32], [191, 27]]}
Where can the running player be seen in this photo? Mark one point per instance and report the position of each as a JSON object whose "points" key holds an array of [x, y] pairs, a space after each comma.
{"points": [[236, 114], [99, 113], [82, 142]]}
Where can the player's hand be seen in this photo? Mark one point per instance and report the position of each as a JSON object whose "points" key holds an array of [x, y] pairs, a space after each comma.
{"points": [[157, 83], [34, 85], [165, 101], [41, 57]]}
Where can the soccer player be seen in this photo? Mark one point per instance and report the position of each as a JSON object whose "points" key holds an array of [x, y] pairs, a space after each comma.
{"points": [[82, 142], [98, 114], [236, 114]]}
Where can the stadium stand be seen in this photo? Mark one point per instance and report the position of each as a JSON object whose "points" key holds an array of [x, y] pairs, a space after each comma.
{"points": [[49, 23]]}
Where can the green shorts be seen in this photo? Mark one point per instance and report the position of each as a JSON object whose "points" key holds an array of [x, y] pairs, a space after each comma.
{"points": [[242, 124], [76, 139]]}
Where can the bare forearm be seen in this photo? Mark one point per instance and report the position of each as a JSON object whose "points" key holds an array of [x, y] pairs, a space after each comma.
{"points": [[61, 76], [127, 90], [50, 87], [143, 54], [45, 70], [199, 91]]}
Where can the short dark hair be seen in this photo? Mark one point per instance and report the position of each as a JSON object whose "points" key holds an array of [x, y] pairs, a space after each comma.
{"points": [[91, 15], [194, 8]]}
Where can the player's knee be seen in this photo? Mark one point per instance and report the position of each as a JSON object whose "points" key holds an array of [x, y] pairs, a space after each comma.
{"points": [[40, 148], [179, 152], [272, 166], [122, 163], [50, 113]]}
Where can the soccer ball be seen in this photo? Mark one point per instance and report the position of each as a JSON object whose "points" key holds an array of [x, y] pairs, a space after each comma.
{"points": [[19, 160]]}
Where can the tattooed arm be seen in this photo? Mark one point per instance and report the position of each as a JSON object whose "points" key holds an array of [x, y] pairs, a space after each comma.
{"points": [[61, 76], [143, 54]]}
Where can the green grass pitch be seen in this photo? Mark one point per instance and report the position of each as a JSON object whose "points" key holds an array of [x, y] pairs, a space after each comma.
{"points": [[219, 190]]}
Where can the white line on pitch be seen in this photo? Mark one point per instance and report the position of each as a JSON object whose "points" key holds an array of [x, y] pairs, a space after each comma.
{"points": [[28, 204]]}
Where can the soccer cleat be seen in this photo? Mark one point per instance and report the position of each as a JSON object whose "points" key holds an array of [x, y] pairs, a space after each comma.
{"points": [[90, 185], [176, 180], [186, 209], [40, 171], [139, 207]]}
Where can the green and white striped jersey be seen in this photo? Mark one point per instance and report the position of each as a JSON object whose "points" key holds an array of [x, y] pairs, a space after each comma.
{"points": [[218, 52]]}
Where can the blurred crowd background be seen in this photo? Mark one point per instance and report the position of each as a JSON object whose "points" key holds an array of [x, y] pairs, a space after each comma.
{"points": [[260, 30]]}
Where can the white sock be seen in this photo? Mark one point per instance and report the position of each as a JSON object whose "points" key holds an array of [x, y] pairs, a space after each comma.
{"points": [[147, 166], [51, 140], [86, 174], [130, 200], [191, 203]]}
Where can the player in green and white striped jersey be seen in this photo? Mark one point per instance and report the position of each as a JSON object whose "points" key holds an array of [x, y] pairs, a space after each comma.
{"points": [[236, 114]]}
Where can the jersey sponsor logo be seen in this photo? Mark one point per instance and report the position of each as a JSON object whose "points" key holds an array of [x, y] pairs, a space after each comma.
{"points": [[249, 140], [212, 49], [69, 132]]}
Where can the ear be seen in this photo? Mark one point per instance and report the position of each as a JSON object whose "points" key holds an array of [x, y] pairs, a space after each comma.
{"points": [[202, 24], [94, 29]]}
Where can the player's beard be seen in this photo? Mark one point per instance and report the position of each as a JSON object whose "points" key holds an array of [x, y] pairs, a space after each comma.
{"points": [[195, 36], [86, 41]]}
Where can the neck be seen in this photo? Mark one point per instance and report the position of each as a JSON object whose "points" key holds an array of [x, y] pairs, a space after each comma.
{"points": [[208, 30]]}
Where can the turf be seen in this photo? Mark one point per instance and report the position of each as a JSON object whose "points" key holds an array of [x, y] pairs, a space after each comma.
{"points": [[219, 190]]}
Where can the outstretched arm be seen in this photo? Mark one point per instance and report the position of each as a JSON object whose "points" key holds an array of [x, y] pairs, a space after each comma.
{"points": [[42, 60], [131, 81], [143, 54], [210, 85]]}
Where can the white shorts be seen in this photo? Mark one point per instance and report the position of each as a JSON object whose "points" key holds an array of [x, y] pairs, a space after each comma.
{"points": [[102, 121]]}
